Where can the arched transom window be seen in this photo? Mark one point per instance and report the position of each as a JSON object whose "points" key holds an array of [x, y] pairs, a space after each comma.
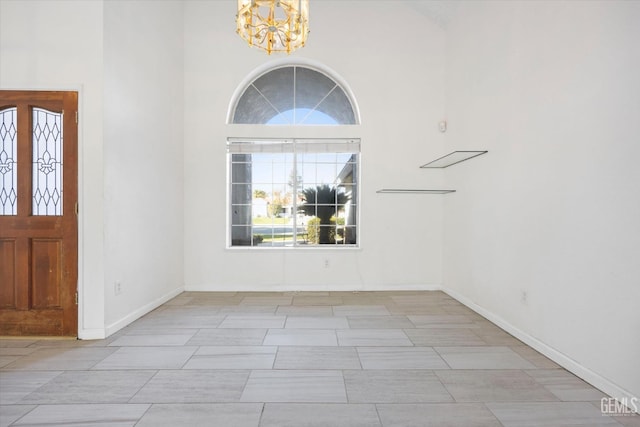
{"points": [[294, 95], [293, 192]]}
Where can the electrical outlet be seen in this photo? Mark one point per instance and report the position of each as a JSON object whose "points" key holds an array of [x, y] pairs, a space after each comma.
{"points": [[326, 263], [524, 297], [117, 288]]}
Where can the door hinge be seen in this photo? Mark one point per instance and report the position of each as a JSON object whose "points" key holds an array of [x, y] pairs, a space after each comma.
{"points": [[76, 298], [76, 209], [76, 117]]}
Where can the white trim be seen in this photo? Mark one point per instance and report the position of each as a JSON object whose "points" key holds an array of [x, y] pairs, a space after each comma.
{"points": [[82, 333], [135, 315], [593, 378], [284, 62], [91, 334]]}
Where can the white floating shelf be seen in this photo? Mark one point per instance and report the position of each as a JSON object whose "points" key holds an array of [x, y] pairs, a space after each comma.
{"points": [[452, 158], [417, 191]]}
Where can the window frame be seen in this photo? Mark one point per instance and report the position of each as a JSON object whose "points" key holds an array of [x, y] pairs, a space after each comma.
{"points": [[348, 142], [264, 69], [339, 131]]}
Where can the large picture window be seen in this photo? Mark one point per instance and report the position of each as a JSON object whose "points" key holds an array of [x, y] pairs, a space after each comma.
{"points": [[293, 192], [297, 192]]}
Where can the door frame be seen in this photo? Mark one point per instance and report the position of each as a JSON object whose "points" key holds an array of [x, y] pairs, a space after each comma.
{"points": [[81, 332]]}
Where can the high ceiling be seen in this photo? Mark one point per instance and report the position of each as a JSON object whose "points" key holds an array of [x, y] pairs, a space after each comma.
{"points": [[440, 11]]}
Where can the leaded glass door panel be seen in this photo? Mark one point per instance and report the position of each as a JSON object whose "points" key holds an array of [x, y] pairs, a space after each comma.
{"points": [[38, 221]]}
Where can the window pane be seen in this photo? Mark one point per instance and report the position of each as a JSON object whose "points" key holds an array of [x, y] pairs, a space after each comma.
{"points": [[311, 88], [329, 197], [277, 87], [253, 108], [338, 106], [241, 215], [240, 235], [242, 193], [47, 162], [8, 161]]}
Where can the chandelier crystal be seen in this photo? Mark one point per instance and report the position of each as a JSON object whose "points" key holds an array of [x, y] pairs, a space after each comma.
{"points": [[273, 25]]}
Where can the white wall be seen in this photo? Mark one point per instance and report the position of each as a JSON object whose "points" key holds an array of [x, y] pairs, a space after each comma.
{"points": [[551, 89], [143, 161], [125, 59], [57, 45], [398, 80]]}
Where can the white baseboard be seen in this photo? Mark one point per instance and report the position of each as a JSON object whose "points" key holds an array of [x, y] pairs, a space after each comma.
{"points": [[561, 359], [313, 288], [91, 334], [131, 317]]}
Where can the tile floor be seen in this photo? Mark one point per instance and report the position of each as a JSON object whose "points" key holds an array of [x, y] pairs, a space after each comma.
{"points": [[296, 359]]}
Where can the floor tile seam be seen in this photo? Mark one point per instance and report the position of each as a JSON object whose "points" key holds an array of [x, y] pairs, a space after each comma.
{"points": [[453, 400], [275, 358], [475, 331], [35, 406], [344, 385], [40, 386], [150, 405], [140, 389], [262, 408], [517, 402], [286, 319], [264, 337], [554, 399], [12, 360], [193, 353], [244, 386], [375, 406], [359, 358], [483, 404], [91, 368], [573, 377], [59, 371], [486, 405], [444, 386], [483, 347]]}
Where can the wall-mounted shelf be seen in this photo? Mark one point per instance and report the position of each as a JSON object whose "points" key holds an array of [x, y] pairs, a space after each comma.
{"points": [[417, 191], [451, 159]]}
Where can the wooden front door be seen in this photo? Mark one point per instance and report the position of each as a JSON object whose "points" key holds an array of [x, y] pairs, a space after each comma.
{"points": [[38, 220]]}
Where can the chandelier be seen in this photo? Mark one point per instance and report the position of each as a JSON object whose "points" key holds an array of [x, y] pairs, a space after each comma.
{"points": [[273, 25]]}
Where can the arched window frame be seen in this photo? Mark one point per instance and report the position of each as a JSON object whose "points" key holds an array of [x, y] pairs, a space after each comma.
{"points": [[299, 136], [303, 63]]}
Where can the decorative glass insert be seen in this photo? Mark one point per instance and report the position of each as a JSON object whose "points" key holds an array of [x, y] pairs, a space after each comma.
{"points": [[47, 162], [294, 95], [8, 161], [298, 192]]}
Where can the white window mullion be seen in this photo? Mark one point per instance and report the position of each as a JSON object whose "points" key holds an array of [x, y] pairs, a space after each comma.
{"points": [[294, 204]]}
